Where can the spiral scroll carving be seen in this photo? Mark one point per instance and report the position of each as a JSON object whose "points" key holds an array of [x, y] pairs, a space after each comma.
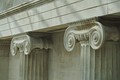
{"points": [[24, 44], [97, 36], [20, 44], [13, 49], [69, 39], [93, 34], [69, 42], [27, 45]]}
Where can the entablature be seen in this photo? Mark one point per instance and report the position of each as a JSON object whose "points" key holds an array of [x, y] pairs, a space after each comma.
{"points": [[32, 16]]}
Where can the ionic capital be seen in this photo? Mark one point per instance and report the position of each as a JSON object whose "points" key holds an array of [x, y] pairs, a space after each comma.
{"points": [[90, 32], [25, 43]]}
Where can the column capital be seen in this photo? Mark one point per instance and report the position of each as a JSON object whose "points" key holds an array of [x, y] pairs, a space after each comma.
{"points": [[25, 43], [89, 31]]}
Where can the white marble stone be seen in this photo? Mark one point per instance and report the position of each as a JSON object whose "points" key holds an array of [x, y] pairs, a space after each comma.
{"points": [[60, 3], [46, 24], [5, 33], [3, 21], [55, 13], [92, 36], [4, 27], [88, 3], [36, 18], [32, 11], [18, 16], [53, 22], [22, 29], [97, 11], [41, 9], [39, 25], [109, 1], [49, 14], [80, 6], [46, 7], [14, 67], [114, 7], [25, 44], [20, 23], [27, 50]]}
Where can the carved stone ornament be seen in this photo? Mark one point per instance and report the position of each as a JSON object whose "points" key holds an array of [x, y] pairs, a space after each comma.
{"points": [[91, 32], [24, 44]]}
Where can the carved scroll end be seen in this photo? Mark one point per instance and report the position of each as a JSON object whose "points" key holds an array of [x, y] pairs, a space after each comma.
{"points": [[20, 44], [93, 34], [24, 44], [96, 35], [69, 39]]}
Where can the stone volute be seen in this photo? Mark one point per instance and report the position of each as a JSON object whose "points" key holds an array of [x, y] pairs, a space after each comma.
{"points": [[25, 43], [91, 35], [91, 32]]}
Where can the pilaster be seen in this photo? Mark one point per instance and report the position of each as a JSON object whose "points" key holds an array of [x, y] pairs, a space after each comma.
{"points": [[33, 56], [91, 35], [4, 59]]}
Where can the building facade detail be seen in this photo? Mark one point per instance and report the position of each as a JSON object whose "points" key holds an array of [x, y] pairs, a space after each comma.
{"points": [[91, 32], [91, 35], [25, 44], [31, 51]]}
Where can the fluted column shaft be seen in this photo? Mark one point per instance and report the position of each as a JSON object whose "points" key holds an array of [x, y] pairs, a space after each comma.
{"points": [[35, 65], [84, 61], [87, 57], [107, 58], [93, 36], [33, 57]]}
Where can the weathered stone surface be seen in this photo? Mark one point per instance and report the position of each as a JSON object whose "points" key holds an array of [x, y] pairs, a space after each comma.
{"points": [[93, 37], [4, 60], [54, 13], [25, 44]]}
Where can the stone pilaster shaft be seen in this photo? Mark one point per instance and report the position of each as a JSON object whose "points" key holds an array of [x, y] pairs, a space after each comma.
{"points": [[91, 35], [33, 57], [85, 62], [36, 65], [107, 58]]}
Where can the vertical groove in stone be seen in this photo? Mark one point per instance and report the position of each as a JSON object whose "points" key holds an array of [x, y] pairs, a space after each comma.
{"points": [[92, 64], [22, 64], [41, 67], [88, 62], [107, 62], [35, 65], [98, 65], [40, 58], [26, 67], [31, 65], [85, 62], [23, 67], [118, 62], [109, 59], [4, 52], [114, 62], [101, 64], [81, 63]]}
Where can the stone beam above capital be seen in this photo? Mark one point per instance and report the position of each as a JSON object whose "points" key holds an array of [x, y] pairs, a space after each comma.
{"points": [[25, 43], [91, 32]]}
